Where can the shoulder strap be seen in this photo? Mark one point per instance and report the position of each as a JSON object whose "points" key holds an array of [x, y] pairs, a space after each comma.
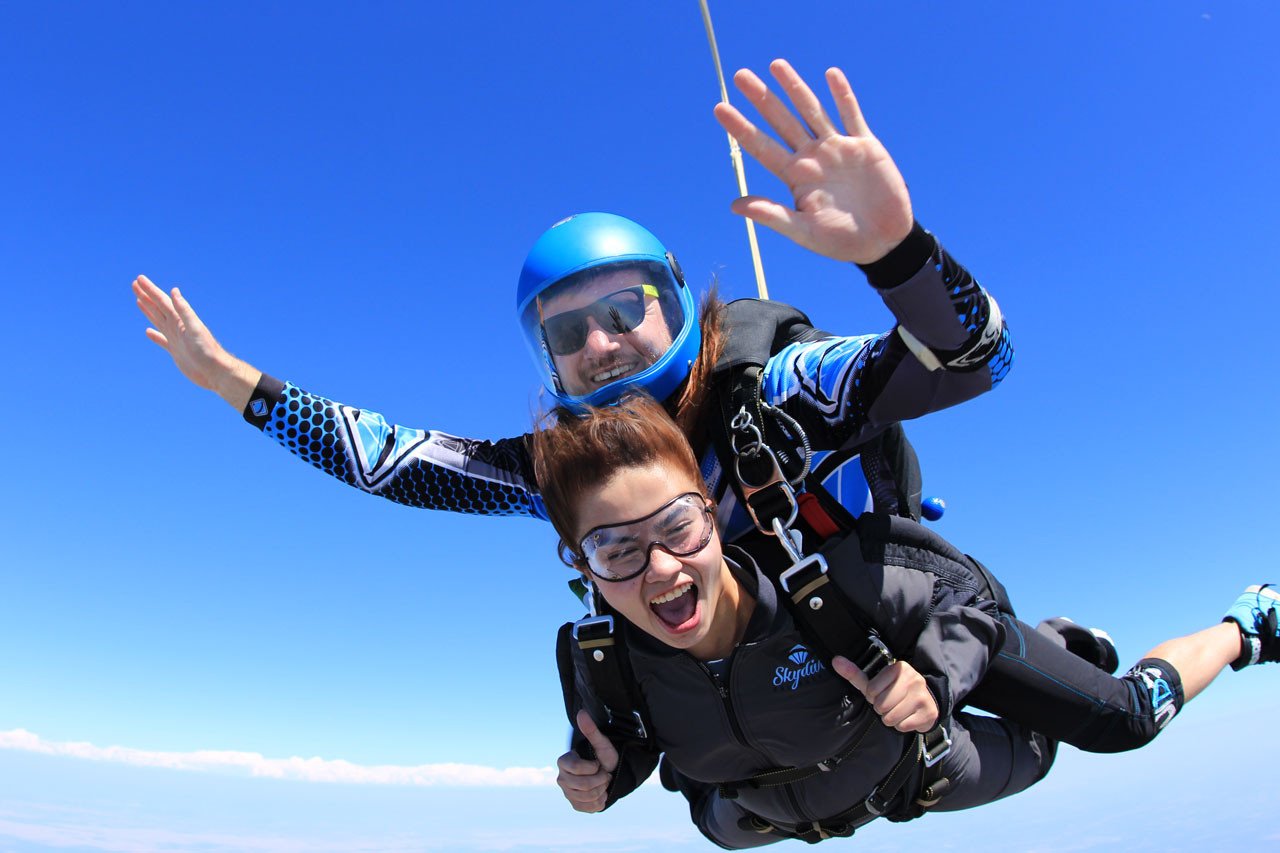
{"points": [[830, 623], [608, 669], [754, 330]]}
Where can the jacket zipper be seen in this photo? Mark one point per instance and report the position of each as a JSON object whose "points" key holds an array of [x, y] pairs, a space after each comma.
{"points": [[723, 690]]}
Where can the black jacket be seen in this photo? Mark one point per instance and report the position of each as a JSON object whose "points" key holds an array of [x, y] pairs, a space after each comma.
{"points": [[779, 705]]}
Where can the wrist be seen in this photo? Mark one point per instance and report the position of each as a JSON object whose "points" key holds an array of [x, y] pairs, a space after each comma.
{"points": [[235, 381], [262, 401], [902, 260]]}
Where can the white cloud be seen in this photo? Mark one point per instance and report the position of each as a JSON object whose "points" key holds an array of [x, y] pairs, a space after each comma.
{"points": [[295, 768]]}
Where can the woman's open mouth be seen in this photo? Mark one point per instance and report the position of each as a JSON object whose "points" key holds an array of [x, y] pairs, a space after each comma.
{"points": [[677, 609]]}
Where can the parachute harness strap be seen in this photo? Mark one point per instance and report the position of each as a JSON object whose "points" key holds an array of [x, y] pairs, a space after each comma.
{"points": [[770, 497], [847, 822], [814, 600]]}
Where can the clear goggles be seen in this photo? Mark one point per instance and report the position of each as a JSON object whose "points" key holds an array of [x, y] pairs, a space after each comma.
{"points": [[617, 552]]}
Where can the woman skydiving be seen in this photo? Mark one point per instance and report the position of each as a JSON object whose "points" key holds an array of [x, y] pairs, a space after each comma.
{"points": [[698, 637]]}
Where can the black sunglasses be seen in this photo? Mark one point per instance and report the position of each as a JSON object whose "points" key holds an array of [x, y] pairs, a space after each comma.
{"points": [[618, 313]]}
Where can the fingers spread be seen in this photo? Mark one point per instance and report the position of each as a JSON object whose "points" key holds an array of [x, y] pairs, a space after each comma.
{"points": [[847, 103], [753, 140], [802, 98], [774, 111]]}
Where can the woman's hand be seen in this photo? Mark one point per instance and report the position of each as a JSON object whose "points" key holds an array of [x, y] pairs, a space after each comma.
{"points": [[898, 694], [585, 783]]}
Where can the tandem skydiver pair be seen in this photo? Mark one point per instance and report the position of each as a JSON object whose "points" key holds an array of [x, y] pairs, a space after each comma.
{"points": [[585, 281]]}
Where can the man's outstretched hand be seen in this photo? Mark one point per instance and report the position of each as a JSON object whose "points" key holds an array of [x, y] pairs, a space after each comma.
{"points": [[850, 201], [177, 329]]}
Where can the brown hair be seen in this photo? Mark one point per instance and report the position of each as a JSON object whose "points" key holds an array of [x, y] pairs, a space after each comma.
{"points": [[582, 450], [688, 407]]}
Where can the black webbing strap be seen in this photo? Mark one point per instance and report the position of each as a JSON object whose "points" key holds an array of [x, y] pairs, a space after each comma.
{"points": [[876, 803], [611, 679], [881, 795], [787, 775], [827, 618]]}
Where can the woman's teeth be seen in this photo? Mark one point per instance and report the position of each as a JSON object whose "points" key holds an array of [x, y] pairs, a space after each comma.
{"points": [[672, 595]]}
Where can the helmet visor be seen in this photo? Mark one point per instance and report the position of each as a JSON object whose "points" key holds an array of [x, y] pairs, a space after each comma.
{"points": [[604, 325], [618, 313]]}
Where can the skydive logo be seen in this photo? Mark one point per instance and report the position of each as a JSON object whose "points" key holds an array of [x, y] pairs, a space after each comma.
{"points": [[1164, 704], [800, 665]]}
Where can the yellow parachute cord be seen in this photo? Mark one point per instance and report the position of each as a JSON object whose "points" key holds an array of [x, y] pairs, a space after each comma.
{"points": [[735, 154]]}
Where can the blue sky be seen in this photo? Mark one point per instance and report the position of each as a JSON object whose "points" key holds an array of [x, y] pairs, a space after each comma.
{"points": [[346, 196]]}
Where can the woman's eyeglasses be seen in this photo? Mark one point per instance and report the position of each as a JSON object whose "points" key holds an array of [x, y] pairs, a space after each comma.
{"points": [[617, 552]]}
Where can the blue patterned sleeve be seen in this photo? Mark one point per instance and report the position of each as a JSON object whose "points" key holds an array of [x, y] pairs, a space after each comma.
{"points": [[950, 344], [420, 468]]}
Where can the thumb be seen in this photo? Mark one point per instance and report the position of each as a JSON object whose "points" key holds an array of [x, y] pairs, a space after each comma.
{"points": [[605, 752], [846, 669], [766, 212]]}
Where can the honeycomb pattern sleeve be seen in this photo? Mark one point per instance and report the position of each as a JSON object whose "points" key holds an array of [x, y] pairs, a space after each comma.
{"points": [[414, 467], [951, 344]]}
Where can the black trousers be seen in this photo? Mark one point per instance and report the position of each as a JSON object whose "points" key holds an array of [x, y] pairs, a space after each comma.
{"points": [[1035, 682]]}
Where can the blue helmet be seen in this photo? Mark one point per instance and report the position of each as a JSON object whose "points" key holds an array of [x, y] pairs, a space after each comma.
{"points": [[604, 268]]}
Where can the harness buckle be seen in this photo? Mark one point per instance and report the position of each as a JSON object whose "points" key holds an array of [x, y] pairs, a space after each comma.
{"points": [[773, 499], [876, 658], [934, 752], [765, 491], [630, 725], [876, 804], [803, 574], [594, 631]]}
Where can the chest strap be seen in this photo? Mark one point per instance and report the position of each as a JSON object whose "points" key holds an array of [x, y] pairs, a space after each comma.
{"points": [[876, 804]]}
